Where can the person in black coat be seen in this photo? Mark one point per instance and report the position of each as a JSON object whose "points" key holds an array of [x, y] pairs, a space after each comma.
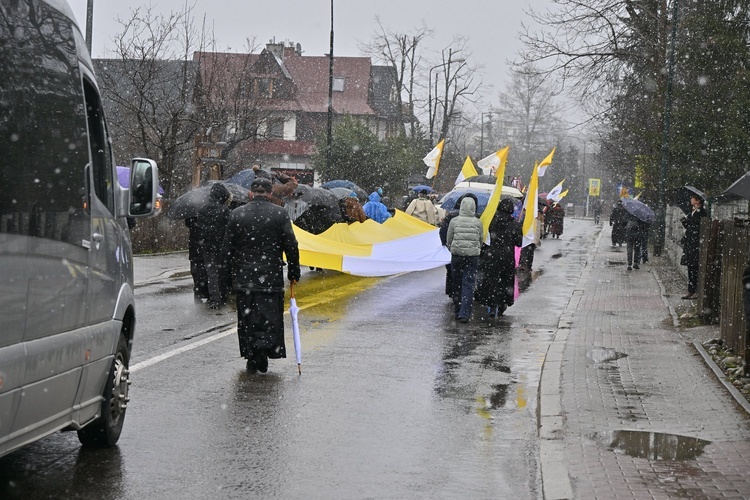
{"points": [[212, 220], [195, 255], [635, 235], [444, 237], [258, 236], [691, 243], [497, 262], [617, 220]]}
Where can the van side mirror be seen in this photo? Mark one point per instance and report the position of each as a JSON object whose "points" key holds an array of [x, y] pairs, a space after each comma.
{"points": [[144, 183]]}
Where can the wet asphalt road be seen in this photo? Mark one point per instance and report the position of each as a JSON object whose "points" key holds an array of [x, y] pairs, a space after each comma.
{"points": [[395, 400]]}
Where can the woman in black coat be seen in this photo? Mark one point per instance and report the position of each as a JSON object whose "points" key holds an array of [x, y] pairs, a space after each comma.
{"points": [[691, 243], [497, 262]]}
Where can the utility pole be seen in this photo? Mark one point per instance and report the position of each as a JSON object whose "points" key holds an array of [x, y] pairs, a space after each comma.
{"points": [[329, 140], [661, 211]]}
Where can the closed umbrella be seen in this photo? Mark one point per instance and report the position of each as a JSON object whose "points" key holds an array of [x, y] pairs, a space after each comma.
{"points": [[293, 311]]}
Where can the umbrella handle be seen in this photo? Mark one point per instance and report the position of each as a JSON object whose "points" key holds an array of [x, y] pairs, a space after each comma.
{"points": [[291, 288]]}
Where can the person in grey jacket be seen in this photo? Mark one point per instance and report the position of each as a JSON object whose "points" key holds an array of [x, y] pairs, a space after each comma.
{"points": [[464, 241]]}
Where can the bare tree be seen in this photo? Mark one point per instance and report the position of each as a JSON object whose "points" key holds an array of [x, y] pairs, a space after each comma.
{"points": [[400, 50], [148, 90], [531, 114], [455, 85]]}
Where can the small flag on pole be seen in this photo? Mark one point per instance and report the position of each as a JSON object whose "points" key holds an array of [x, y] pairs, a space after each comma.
{"points": [[546, 162], [490, 164], [531, 208], [432, 160], [489, 211], [467, 171], [555, 194]]}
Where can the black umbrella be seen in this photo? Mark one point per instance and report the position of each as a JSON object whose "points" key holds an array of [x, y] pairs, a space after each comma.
{"points": [[682, 197], [322, 209], [343, 192], [740, 187], [639, 209], [191, 202], [316, 196]]}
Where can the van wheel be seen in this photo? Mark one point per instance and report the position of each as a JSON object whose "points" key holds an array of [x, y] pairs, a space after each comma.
{"points": [[105, 430]]}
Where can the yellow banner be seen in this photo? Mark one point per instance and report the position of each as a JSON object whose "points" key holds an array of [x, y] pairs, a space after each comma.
{"points": [[595, 187]]}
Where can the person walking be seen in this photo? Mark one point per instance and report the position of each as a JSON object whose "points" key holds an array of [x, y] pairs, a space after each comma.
{"points": [[557, 215], [212, 220], [617, 219], [497, 262], [634, 234], [376, 210], [423, 209], [258, 235], [351, 210], [195, 256], [444, 237], [464, 241], [691, 243]]}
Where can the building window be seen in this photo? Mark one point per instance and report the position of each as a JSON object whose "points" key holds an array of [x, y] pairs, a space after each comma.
{"points": [[276, 128], [338, 84], [264, 87]]}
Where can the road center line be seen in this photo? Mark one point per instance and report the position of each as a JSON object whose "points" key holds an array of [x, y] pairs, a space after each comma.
{"points": [[180, 350]]}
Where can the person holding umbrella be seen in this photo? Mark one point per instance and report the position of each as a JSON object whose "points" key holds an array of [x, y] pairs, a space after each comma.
{"points": [[212, 221], [259, 234], [691, 243]]}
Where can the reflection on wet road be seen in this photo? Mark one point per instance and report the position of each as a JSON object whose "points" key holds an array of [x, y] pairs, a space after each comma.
{"points": [[395, 400]]}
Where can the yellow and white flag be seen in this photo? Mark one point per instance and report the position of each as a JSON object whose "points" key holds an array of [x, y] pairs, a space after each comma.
{"points": [[467, 171], [555, 194], [489, 211], [491, 164], [546, 162], [531, 208], [432, 160]]}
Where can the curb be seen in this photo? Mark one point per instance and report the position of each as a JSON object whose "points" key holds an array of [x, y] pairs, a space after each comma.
{"points": [[736, 394], [556, 483]]}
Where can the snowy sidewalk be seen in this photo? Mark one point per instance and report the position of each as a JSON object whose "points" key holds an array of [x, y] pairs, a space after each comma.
{"points": [[628, 408]]}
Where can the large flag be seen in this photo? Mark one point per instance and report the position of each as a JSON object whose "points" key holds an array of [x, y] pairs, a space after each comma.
{"points": [[489, 211], [556, 192], [531, 207], [546, 162], [432, 160], [467, 171], [491, 164]]}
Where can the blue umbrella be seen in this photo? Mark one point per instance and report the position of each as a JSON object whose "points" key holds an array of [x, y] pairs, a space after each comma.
{"points": [[243, 178], [448, 202], [639, 210], [340, 183], [421, 187]]}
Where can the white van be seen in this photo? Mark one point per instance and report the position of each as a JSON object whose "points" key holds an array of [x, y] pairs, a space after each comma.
{"points": [[67, 315]]}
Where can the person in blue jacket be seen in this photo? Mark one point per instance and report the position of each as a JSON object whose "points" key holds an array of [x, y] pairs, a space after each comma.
{"points": [[374, 209]]}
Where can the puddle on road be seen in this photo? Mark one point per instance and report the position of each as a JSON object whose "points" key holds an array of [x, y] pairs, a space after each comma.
{"points": [[651, 445], [604, 354]]}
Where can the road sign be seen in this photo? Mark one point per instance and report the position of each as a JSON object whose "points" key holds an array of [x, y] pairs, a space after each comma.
{"points": [[595, 186]]}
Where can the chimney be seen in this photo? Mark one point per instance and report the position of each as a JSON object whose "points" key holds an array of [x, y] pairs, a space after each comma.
{"points": [[275, 48], [292, 49]]}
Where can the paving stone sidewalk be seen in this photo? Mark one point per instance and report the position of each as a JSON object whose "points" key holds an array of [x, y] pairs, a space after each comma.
{"points": [[628, 408]]}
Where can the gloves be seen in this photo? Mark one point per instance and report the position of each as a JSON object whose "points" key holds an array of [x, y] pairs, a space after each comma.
{"points": [[293, 273]]}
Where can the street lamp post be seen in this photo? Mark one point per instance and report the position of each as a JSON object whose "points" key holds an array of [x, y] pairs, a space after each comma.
{"points": [[481, 134], [329, 138]]}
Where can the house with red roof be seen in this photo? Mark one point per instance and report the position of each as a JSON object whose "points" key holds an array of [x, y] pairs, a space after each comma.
{"points": [[288, 94]]}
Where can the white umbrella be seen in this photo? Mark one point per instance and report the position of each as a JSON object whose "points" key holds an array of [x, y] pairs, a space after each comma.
{"points": [[293, 310]]}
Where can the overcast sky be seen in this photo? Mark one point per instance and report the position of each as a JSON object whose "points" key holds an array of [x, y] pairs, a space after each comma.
{"points": [[490, 26]]}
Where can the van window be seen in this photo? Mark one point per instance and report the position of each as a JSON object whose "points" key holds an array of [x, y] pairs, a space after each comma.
{"points": [[101, 159], [42, 160]]}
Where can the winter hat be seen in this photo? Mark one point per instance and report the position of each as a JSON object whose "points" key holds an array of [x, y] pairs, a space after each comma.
{"points": [[261, 185]]}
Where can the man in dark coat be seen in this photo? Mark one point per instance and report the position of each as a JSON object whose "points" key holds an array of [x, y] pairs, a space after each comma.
{"points": [[259, 234], [691, 243], [617, 219], [212, 220], [635, 234], [195, 255], [497, 262]]}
